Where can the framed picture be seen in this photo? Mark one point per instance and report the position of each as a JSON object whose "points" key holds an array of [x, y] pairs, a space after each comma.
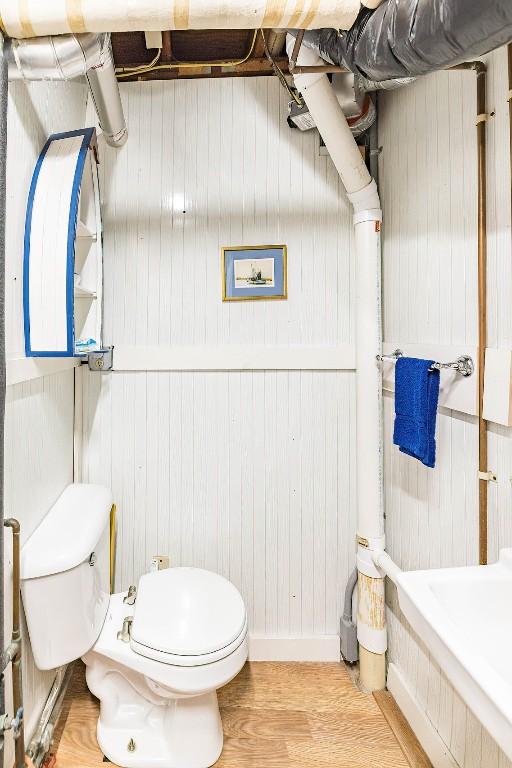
{"points": [[254, 272]]}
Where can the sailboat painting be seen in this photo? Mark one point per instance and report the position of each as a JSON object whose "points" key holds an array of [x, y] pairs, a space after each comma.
{"points": [[254, 272], [251, 272]]}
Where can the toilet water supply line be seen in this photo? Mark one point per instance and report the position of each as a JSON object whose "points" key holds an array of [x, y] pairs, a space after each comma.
{"points": [[362, 192]]}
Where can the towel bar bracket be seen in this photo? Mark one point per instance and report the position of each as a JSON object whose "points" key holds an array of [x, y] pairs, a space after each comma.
{"points": [[463, 365]]}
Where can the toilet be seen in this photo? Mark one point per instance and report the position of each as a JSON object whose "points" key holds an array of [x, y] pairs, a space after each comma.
{"points": [[155, 656]]}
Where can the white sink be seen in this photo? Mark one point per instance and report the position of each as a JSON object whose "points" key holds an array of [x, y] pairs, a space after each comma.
{"points": [[464, 617]]}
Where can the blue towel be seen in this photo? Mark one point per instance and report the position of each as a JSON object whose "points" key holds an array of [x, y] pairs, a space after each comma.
{"points": [[416, 396]]}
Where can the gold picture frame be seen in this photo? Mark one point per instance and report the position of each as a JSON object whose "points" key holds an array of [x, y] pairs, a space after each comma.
{"points": [[258, 291]]}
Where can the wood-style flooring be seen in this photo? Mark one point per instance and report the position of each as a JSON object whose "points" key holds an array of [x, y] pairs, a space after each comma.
{"points": [[275, 715]]}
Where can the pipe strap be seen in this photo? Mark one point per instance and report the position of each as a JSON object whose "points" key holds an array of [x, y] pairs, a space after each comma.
{"points": [[484, 117]]}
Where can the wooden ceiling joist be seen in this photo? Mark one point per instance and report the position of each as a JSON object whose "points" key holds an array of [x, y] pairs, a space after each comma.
{"points": [[242, 53]]}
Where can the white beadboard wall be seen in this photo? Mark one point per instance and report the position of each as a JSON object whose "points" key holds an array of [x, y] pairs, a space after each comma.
{"points": [[247, 473], [428, 184], [39, 413], [210, 164]]}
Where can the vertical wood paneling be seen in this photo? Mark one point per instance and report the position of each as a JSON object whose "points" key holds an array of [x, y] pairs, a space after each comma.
{"points": [[428, 184], [248, 474], [39, 413], [211, 164], [228, 471]]}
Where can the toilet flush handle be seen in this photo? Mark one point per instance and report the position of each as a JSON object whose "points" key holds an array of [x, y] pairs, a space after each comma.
{"points": [[125, 632], [131, 596]]}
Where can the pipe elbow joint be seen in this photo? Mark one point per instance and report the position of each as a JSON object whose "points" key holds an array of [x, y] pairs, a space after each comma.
{"points": [[117, 140], [366, 199]]}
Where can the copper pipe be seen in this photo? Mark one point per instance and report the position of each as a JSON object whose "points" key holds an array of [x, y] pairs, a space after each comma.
{"points": [[13, 653], [481, 103]]}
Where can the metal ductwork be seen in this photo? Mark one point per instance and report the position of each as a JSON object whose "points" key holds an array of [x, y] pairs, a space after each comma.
{"points": [[65, 57], [406, 39], [351, 89]]}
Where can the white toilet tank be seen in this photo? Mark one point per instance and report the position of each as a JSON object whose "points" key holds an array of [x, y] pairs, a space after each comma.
{"points": [[65, 575]]}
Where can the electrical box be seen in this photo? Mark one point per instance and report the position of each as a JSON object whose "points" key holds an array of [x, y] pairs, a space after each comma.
{"points": [[153, 40], [159, 563]]}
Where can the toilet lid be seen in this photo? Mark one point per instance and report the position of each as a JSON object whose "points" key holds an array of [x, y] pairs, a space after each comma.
{"points": [[186, 612]]}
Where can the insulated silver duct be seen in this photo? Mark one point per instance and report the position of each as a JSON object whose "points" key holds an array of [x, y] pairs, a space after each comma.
{"points": [[65, 57]]}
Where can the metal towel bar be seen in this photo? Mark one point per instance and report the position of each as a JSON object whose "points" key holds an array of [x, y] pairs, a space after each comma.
{"points": [[463, 364]]}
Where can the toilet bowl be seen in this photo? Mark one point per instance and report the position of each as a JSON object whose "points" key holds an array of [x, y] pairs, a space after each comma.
{"points": [[157, 690], [155, 657]]}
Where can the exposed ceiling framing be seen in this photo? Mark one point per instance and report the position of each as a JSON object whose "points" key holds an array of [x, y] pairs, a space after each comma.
{"points": [[199, 54]]}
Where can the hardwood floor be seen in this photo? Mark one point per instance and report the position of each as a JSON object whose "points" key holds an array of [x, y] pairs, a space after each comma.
{"points": [[275, 715]]}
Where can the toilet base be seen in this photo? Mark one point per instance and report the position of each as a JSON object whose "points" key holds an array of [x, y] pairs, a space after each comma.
{"points": [[136, 729], [185, 733]]}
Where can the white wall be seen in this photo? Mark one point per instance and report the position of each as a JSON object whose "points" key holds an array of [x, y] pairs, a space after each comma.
{"points": [[39, 413], [248, 473], [428, 182]]}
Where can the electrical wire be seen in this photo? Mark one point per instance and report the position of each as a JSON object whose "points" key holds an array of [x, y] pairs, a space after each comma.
{"points": [[152, 67], [279, 72], [142, 67]]}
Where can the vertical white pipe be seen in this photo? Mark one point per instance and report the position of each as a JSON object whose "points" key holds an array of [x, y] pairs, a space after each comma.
{"points": [[370, 522], [362, 192]]}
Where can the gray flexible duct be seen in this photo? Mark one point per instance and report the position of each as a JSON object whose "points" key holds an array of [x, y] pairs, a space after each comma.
{"points": [[407, 38], [3, 160]]}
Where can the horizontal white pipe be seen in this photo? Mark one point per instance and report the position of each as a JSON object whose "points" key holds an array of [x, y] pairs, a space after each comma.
{"points": [[56, 17], [385, 564]]}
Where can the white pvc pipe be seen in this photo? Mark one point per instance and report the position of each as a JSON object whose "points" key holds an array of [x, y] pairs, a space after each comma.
{"points": [[370, 517], [385, 564], [332, 124], [362, 191]]}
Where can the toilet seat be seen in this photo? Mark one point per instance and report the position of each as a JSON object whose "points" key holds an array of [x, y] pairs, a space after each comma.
{"points": [[187, 617]]}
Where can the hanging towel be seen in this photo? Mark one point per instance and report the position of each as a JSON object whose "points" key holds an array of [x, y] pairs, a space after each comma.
{"points": [[416, 397]]}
